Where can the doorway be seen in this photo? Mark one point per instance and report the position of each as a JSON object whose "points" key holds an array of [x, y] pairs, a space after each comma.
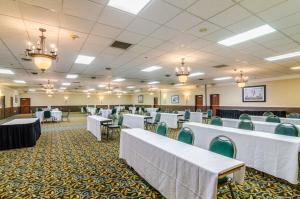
{"points": [[214, 102], [11, 105], [198, 102], [25, 105], [155, 102], [2, 107]]}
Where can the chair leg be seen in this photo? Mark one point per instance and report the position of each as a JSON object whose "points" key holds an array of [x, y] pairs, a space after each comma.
{"points": [[231, 191]]}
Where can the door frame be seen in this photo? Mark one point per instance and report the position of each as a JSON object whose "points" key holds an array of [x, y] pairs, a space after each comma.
{"points": [[196, 101], [21, 103], [210, 105]]}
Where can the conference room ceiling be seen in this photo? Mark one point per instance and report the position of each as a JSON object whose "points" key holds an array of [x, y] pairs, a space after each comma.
{"points": [[161, 34]]}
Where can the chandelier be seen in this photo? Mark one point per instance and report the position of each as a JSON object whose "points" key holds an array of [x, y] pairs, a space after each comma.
{"points": [[183, 72], [49, 86], [41, 57], [109, 89], [241, 80]]}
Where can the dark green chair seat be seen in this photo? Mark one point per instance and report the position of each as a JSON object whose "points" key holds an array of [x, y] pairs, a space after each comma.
{"points": [[293, 115], [267, 113], [273, 118], [186, 135], [47, 115], [162, 129], [226, 147], [244, 116], [287, 129], [246, 125], [217, 121], [152, 125], [113, 127], [186, 117]]}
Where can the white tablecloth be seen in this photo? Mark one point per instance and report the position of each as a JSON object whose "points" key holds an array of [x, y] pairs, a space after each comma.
{"points": [[93, 124], [177, 170], [91, 110], [57, 115], [271, 153], [149, 110], [194, 116], [132, 109], [282, 119], [169, 118], [134, 121], [21, 121], [105, 112]]}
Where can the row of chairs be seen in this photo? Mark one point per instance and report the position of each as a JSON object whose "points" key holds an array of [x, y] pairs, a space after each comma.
{"points": [[246, 124], [270, 118]]}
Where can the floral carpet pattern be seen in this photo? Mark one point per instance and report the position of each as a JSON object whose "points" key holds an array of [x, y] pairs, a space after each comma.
{"points": [[70, 163]]}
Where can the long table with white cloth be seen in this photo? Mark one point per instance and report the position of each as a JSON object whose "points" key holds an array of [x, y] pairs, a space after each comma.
{"points": [[149, 110], [134, 120], [271, 153], [169, 118], [177, 170], [57, 115], [105, 112], [194, 116], [93, 124], [268, 127], [282, 119]]}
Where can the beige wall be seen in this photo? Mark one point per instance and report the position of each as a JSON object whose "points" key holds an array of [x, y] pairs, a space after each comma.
{"points": [[8, 92]]}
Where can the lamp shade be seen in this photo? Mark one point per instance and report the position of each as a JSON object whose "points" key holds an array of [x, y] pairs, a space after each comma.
{"points": [[42, 62], [182, 78]]}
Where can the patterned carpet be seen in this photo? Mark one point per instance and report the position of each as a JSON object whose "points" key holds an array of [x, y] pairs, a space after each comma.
{"points": [[69, 163]]}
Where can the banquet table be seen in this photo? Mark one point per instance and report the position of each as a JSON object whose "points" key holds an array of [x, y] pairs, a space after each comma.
{"points": [[91, 110], [135, 121], [194, 116], [105, 113], [169, 118], [19, 133], [271, 153], [268, 127], [93, 124], [177, 170], [282, 119], [132, 109], [149, 110], [57, 115]]}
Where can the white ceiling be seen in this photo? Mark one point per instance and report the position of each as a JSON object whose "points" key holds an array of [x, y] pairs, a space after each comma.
{"points": [[162, 33]]}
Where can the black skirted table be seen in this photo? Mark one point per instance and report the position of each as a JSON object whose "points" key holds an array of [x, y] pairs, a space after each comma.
{"points": [[19, 133], [235, 114]]}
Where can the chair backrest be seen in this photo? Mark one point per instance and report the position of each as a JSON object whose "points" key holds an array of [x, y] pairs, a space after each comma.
{"points": [[217, 121], [162, 129], [244, 116], [209, 113], [120, 121], [84, 109], [187, 115], [157, 117], [97, 111], [293, 115], [268, 113], [223, 146], [39, 109], [273, 118], [186, 135], [287, 129], [113, 111], [198, 110], [47, 114], [158, 110], [246, 125]]}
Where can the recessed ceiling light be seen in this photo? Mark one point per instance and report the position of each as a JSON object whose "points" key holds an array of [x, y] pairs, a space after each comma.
{"points": [[20, 81], [91, 89], [154, 82], [66, 84], [62, 88], [101, 85], [248, 35], [83, 59], [284, 56], [130, 87], [295, 68], [137, 90], [131, 6], [71, 76], [6, 71], [151, 68], [179, 84], [119, 80], [31, 90], [222, 78], [196, 74]]}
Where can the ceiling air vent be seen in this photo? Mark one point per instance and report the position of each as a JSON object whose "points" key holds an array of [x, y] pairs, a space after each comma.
{"points": [[220, 66], [121, 45]]}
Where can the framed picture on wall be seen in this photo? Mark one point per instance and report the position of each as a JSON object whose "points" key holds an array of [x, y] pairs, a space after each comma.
{"points": [[254, 93], [16, 99], [140, 99], [175, 99]]}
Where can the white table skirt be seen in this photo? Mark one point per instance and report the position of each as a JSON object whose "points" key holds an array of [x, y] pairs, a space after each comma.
{"points": [[132, 109], [271, 153], [169, 118], [91, 110], [93, 124], [282, 119], [177, 170], [21, 121], [133, 120], [57, 115], [149, 110], [105, 113], [194, 116]]}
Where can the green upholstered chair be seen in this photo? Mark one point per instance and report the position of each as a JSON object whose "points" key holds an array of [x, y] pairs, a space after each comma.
{"points": [[287, 129], [186, 117], [97, 112], [209, 113], [267, 113], [39, 109], [186, 135], [114, 111], [246, 125], [152, 125], [294, 115], [226, 147], [47, 115], [217, 121], [208, 116], [273, 118], [115, 127], [198, 110], [162, 129], [244, 116]]}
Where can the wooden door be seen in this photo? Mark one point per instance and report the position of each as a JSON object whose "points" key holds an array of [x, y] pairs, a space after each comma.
{"points": [[2, 107], [214, 102], [25, 105], [11, 105], [155, 102], [199, 102]]}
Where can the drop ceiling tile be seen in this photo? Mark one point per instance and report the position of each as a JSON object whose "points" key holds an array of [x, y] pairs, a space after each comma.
{"points": [[294, 30], [200, 43], [113, 51], [84, 9], [230, 16], [218, 35], [151, 42], [184, 21], [159, 11], [208, 8], [11, 27], [181, 4], [246, 24], [9, 8], [99, 41], [116, 18], [258, 5], [203, 29], [76, 23], [138, 49], [130, 37], [106, 31], [54, 5], [142, 26], [164, 33], [183, 39], [286, 22]]}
